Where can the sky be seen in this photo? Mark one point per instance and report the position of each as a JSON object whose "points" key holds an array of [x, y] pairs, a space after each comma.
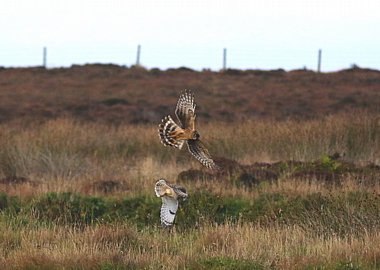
{"points": [[257, 34]]}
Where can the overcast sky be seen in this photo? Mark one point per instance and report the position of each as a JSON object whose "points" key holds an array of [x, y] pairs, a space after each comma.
{"points": [[261, 34]]}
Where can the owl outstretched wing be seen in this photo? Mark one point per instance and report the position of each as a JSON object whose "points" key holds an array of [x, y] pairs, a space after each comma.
{"points": [[168, 211], [180, 191], [185, 110], [200, 152]]}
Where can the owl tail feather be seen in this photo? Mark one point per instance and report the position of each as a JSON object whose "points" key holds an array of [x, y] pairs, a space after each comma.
{"points": [[166, 130]]}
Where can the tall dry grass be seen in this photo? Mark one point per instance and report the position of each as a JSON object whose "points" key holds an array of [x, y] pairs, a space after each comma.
{"points": [[121, 246], [355, 135], [59, 151]]}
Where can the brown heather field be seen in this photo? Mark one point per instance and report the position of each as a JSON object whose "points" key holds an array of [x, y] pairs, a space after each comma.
{"points": [[79, 156], [114, 94]]}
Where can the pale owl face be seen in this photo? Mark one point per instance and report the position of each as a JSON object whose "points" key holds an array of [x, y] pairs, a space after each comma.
{"points": [[163, 189]]}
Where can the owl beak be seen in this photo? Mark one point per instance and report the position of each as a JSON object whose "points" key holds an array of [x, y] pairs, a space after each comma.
{"points": [[168, 192]]}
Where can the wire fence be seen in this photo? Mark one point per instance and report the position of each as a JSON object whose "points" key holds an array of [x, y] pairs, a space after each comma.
{"points": [[197, 58]]}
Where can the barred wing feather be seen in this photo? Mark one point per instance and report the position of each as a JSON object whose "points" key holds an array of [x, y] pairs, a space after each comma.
{"points": [[165, 131], [200, 152], [185, 109]]}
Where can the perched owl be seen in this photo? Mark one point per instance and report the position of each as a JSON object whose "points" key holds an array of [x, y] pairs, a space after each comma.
{"points": [[176, 135], [169, 194]]}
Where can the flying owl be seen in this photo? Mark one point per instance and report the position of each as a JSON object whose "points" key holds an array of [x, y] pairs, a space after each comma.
{"points": [[169, 194], [176, 135]]}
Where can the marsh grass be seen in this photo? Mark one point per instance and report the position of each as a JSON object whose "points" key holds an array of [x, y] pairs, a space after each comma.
{"points": [[355, 136], [209, 247], [64, 148], [79, 196]]}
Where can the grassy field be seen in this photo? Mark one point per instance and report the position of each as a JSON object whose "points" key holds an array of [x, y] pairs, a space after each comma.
{"points": [[79, 195]]}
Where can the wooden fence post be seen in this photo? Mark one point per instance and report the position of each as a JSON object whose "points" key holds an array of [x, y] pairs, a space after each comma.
{"points": [[319, 60], [44, 59], [224, 59], [138, 55]]}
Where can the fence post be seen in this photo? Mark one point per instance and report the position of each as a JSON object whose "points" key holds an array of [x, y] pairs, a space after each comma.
{"points": [[138, 55], [224, 59], [44, 57], [319, 60]]}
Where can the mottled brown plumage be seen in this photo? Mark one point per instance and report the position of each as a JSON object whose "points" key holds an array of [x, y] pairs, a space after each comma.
{"points": [[175, 135]]}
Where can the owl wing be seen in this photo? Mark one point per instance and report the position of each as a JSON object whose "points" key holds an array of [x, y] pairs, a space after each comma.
{"points": [[168, 211], [200, 152], [180, 191], [185, 110]]}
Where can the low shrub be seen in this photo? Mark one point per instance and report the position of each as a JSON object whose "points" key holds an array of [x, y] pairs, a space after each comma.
{"points": [[352, 213], [68, 208], [226, 263]]}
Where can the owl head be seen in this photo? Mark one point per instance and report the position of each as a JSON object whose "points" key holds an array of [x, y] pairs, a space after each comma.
{"points": [[162, 188]]}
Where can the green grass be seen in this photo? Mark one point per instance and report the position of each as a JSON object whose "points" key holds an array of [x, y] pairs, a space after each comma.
{"points": [[217, 263], [348, 214]]}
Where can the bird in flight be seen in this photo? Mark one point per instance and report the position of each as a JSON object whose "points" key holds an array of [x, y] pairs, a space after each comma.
{"points": [[175, 135], [169, 194]]}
